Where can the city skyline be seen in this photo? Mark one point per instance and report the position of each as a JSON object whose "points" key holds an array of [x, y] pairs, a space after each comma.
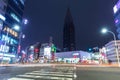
{"points": [[59, 39], [46, 18]]}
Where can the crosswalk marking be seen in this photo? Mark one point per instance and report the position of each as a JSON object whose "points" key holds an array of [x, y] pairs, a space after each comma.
{"points": [[44, 74], [47, 74], [53, 72], [45, 77], [14, 78]]}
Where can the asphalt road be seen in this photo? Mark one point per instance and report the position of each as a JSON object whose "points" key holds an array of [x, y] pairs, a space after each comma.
{"points": [[59, 73]]}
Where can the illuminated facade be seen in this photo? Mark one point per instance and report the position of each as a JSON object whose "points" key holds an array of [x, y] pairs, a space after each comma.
{"points": [[72, 56], [11, 12], [116, 10], [68, 33], [111, 52]]}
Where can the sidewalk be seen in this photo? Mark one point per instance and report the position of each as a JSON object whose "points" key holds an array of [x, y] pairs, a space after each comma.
{"points": [[69, 65], [24, 65], [110, 65]]}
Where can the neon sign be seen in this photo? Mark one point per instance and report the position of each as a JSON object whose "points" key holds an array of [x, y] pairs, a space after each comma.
{"points": [[2, 17], [11, 31], [8, 39], [15, 17], [4, 48]]}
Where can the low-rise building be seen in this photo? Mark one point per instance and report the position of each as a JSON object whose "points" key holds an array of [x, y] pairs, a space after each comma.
{"points": [[111, 51], [72, 56]]}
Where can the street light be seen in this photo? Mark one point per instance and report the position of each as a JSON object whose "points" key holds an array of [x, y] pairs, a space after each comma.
{"points": [[25, 21], [104, 30]]}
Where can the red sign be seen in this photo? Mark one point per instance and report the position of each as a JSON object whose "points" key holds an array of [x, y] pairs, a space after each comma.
{"points": [[74, 56], [19, 47]]}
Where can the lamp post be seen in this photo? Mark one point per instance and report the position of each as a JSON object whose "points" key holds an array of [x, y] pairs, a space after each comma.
{"points": [[116, 46]]}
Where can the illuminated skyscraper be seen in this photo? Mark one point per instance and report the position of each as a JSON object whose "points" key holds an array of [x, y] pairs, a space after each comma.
{"points": [[11, 12], [116, 10], [68, 33]]}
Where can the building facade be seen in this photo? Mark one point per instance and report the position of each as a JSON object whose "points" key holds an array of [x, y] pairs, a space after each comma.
{"points": [[111, 51], [68, 33], [47, 51], [11, 12], [116, 10], [41, 52], [72, 56]]}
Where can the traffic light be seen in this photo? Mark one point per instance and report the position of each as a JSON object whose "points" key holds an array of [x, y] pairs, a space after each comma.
{"points": [[36, 53], [36, 50]]}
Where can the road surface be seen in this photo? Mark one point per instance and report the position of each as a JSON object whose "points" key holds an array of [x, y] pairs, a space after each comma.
{"points": [[59, 73]]}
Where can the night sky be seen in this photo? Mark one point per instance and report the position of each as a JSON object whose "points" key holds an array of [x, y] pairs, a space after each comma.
{"points": [[46, 18]]}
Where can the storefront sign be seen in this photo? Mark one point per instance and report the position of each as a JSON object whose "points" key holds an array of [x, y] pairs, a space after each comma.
{"points": [[10, 31]]}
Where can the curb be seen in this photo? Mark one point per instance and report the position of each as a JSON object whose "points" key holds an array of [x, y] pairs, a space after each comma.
{"points": [[69, 65]]}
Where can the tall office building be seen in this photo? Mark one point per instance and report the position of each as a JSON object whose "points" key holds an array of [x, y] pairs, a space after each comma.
{"points": [[116, 10], [68, 33], [11, 12]]}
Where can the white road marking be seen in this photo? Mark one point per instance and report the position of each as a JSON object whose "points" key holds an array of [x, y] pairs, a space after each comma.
{"points": [[45, 77], [14, 78], [52, 72], [44, 74]]}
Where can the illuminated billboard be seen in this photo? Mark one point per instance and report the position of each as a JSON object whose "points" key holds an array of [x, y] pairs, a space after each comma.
{"points": [[10, 31], [4, 48], [47, 52], [9, 40]]}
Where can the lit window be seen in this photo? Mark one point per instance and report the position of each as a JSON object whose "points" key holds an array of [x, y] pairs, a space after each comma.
{"points": [[115, 9], [2, 17], [15, 17], [22, 1]]}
